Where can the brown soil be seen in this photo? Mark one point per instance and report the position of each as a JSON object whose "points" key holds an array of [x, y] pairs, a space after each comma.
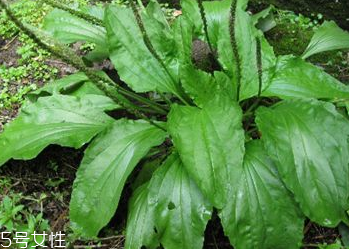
{"points": [[8, 55], [9, 58], [34, 177]]}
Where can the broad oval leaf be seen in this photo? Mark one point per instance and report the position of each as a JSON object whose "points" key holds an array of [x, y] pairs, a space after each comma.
{"points": [[140, 230], [182, 212], [146, 172], [308, 140], [56, 86], [94, 10], [210, 142], [77, 84], [264, 20], [68, 29], [107, 163], [295, 78], [326, 38], [58, 119], [135, 64], [261, 212]]}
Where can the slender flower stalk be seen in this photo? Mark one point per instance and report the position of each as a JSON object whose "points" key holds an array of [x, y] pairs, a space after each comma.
{"points": [[259, 65], [204, 20], [232, 23]]}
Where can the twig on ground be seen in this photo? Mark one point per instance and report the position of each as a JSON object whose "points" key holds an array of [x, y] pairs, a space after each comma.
{"points": [[7, 45]]}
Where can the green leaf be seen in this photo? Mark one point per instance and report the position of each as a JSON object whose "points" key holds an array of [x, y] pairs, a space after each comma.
{"points": [[264, 20], [295, 78], [182, 211], [308, 140], [209, 85], [64, 83], [94, 10], [326, 38], [73, 81], [261, 212], [107, 163], [336, 245], [58, 119], [146, 172], [130, 56], [191, 12], [343, 230], [210, 142], [140, 230], [77, 84], [68, 29]]}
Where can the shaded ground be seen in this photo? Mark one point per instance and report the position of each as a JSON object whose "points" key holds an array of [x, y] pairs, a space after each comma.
{"points": [[9, 58], [337, 10], [51, 174], [8, 55]]}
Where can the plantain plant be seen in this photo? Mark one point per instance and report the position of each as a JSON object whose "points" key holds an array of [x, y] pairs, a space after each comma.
{"points": [[212, 120]]}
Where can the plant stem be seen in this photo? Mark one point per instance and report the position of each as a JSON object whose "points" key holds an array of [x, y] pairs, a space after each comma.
{"points": [[259, 66], [204, 20], [168, 102], [183, 100], [252, 131], [143, 100], [251, 109], [234, 46], [140, 3], [311, 245]]}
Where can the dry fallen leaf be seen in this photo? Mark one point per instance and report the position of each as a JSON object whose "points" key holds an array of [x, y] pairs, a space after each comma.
{"points": [[177, 13]]}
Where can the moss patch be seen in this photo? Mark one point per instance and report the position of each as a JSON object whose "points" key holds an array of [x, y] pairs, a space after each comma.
{"points": [[287, 38]]}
